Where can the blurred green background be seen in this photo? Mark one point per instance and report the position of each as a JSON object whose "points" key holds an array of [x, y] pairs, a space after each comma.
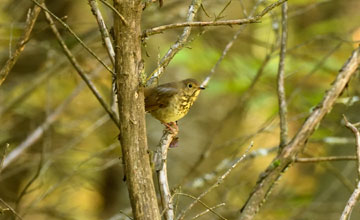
{"points": [[74, 172]]}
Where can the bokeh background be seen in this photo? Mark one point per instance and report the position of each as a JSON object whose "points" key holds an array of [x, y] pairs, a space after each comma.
{"points": [[74, 170]]}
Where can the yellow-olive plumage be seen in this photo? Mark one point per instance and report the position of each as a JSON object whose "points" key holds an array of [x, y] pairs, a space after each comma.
{"points": [[171, 101]]}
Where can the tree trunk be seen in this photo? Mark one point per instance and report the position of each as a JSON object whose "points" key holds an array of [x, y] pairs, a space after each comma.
{"points": [[131, 111]]}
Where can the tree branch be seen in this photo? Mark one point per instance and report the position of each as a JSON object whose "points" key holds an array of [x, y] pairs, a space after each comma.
{"points": [[286, 157], [103, 30], [130, 93], [30, 23], [356, 194], [160, 159], [175, 48], [78, 68], [281, 79], [160, 29], [324, 159]]}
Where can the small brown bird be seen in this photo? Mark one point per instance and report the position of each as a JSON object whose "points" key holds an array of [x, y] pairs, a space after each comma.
{"points": [[171, 101]]}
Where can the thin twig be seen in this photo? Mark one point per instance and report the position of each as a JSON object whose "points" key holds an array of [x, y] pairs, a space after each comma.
{"points": [[216, 184], [66, 26], [30, 23], [227, 48], [11, 209], [103, 30], [177, 46], [255, 19], [281, 79], [161, 168], [197, 199], [277, 167], [324, 159], [208, 210], [79, 69], [356, 194], [108, 46], [160, 29]]}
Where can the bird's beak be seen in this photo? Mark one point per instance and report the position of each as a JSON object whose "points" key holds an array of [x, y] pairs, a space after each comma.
{"points": [[202, 88]]}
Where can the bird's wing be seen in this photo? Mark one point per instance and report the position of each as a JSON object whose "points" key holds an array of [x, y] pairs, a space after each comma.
{"points": [[158, 97]]}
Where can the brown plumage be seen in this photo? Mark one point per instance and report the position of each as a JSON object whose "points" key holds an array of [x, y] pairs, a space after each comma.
{"points": [[171, 101]]}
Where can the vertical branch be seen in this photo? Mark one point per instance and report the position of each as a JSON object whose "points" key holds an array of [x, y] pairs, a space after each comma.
{"points": [[356, 194], [128, 66], [30, 22], [280, 79], [161, 168], [108, 46]]}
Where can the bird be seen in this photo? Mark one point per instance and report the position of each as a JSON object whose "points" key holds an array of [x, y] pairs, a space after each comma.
{"points": [[171, 101]]}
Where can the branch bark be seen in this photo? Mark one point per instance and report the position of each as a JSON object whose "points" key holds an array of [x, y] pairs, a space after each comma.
{"points": [[161, 168], [281, 79], [287, 155], [128, 66]]}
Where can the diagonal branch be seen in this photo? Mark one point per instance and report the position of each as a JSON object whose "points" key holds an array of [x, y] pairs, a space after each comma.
{"points": [[175, 48], [216, 184], [30, 22], [287, 155], [103, 30], [66, 26], [78, 68]]}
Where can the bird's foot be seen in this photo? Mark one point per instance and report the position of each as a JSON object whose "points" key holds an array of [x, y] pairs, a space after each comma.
{"points": [[172, 127]]}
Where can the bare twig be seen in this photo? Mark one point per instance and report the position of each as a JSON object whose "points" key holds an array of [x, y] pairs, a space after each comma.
{"points": [[103, 30], [108, 46], [175, 48], [11, 209], [30, 22], [197, 199], [281, 78], [208, 210], [79, 69], [160, 29], [161, 168], [281, 162], [216, 184], [49, 14], [356, 194], [324, 159]]}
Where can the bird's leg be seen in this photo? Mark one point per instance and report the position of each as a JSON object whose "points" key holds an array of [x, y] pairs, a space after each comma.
{"points": [[172, 127]]}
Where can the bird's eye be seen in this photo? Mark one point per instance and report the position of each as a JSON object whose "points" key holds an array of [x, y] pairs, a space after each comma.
{"points": [[190, 85]]}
